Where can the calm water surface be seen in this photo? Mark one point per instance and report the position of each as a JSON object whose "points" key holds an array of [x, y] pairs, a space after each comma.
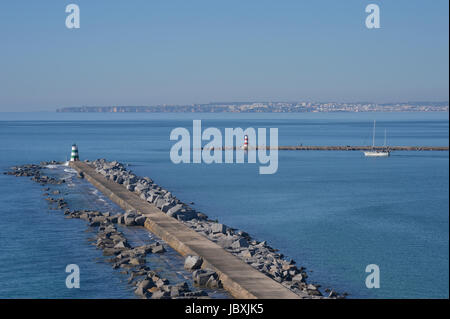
{"points": [[332, 212]]}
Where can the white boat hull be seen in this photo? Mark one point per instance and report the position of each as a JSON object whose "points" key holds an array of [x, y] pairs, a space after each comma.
{"points": [[376, 154]]}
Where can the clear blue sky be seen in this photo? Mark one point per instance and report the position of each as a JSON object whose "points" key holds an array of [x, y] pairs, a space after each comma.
{"points": [[146, 52]]}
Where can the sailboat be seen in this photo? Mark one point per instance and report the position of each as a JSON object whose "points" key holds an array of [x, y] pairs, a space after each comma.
{"points": [[377, 153]]}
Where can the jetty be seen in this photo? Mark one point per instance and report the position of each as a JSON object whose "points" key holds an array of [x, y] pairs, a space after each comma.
{"points": [[238, 278], [363, 148], [341, 148]]}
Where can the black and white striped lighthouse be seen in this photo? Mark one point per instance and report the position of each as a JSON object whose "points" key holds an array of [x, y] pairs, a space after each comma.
{"points": [[74, 155]]}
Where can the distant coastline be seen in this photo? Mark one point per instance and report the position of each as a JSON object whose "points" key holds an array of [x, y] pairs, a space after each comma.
{"points": [[267, 107]]}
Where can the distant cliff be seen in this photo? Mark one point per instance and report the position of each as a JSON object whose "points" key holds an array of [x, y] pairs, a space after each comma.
{"points": [[276, 107]]}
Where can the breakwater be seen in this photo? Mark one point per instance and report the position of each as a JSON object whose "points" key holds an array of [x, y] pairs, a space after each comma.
{"points": [[131, 258], [244, 266], [342, 148], [217, 255]]}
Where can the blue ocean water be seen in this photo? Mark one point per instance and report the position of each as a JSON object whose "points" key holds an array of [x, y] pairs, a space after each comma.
{"points": [[332, 212]]}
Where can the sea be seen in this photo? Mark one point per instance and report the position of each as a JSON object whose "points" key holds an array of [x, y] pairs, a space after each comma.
{"points": [[333, 212]]}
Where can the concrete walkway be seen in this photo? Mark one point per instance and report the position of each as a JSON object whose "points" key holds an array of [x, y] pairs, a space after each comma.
{"points": [[239, 278]]}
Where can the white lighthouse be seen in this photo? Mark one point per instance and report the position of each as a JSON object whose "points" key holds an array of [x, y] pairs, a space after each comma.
{"points": [[74, 155]]}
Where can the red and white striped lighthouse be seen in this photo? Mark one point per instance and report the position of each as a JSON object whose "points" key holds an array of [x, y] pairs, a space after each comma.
{"points": [[245, 142]]}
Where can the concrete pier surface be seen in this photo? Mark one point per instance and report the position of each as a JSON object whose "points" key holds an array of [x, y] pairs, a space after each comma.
{"points": [[237, 277]]}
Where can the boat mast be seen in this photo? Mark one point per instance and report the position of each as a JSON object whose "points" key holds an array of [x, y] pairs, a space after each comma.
{"points": [[384, 138], [373, 135]]}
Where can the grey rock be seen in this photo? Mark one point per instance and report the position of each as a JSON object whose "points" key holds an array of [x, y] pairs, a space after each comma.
{"points": [[240, 243], [132, 179], [99, 219], [262, 244], [140, 188], [182, 286], [213, 283], [311, 287], [143, 196], [158, 249], [143, 286], [160, 202], [201, 276], [114, 219], [193, 262], [152, 198], [201, 216], [137, 261], [148, 179], [122, 245], [156, 196], [140, 221], [144, 249], [165, 208], [243, 234], [175, 292], [186, 215], [111, 251], [160, 294], [226, 241], [174, 210], [161, 282], [129, 220], [218, 228], [247, 253], [298, 278]]}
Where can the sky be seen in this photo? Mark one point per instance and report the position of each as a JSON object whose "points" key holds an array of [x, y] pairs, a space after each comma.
{"points": [[148, 52]]}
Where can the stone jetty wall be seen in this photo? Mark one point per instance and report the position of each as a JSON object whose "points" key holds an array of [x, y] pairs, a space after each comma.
{"points": [[253, 254], [257, 254]]}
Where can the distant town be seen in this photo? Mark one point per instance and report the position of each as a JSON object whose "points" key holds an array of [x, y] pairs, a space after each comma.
{"points": [[268, 107]]}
